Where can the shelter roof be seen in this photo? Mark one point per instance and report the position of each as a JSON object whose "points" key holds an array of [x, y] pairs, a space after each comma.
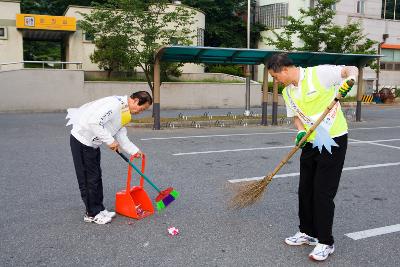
{"points": [[219, 55]]}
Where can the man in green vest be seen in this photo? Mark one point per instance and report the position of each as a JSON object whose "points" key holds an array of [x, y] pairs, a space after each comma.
{"points": [[307, 93]]}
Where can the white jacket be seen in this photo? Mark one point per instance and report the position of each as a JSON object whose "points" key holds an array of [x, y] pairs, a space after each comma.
{"points": [[101, 121]]}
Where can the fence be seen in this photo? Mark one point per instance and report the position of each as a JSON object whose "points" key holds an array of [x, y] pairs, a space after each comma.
{"points": [[40, 64]]}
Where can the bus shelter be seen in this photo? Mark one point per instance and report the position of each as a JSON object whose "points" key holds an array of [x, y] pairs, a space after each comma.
{"points": [[241, 56]]}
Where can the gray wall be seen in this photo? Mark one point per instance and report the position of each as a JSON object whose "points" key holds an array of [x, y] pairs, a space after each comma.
{"points": [[40, 90], [56, 90]]}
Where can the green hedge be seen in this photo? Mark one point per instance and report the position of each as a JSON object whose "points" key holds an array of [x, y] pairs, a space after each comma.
{"points": [[280, 87], [227, 69]]}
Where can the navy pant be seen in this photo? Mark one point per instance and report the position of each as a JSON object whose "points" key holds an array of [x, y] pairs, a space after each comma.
{"points": [[319, 180], [88, 172]]}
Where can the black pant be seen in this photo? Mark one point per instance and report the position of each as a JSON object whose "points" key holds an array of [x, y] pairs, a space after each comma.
{"points": [[319, 180], [88, 172]]}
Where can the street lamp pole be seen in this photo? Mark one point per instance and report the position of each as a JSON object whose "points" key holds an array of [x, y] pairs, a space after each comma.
{"points": [[378, 70], [247, 72], [384, 11]]}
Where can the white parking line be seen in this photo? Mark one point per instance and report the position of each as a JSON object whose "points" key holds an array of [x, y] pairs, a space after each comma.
{"points": [[215, 135], [250, 134], [296, 173], [230, 150], [375, 142], [281, 147], [373, 128], [374, 232]]}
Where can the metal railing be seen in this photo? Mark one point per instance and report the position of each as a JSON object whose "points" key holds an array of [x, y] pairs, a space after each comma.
{"points": [[41, 64]]}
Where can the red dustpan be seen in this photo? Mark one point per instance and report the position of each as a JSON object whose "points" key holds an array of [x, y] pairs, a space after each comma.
{"points": [[134, 202]]}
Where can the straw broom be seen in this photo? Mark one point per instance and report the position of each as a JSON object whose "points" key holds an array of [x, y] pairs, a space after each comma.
{"points": [[252, 192]]}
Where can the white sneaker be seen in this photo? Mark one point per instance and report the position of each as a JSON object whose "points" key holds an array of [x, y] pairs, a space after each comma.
{"points": [[98, 219], [301, 238], [321, 252], [110, 214]]}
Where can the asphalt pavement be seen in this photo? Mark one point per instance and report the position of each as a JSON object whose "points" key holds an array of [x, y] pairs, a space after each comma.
{"points": [[41, 220]]}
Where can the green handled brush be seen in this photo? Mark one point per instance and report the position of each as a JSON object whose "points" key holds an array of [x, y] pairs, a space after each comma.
{"points": [[164, 197]]}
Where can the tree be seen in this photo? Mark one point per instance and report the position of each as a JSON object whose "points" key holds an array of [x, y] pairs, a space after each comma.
{"points": [[52, 7], [317, 32], [139, 28], [111, 54], [225, 24]]}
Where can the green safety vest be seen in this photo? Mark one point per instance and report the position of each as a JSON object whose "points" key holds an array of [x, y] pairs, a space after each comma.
{"points": [[314, 104]]}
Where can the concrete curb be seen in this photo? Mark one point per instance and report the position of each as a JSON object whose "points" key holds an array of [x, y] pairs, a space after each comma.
{"points": [[202, 124]]}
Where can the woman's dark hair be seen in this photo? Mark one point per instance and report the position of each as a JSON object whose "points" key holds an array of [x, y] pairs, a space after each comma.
{"points": [[143, 96], [278, 61]]}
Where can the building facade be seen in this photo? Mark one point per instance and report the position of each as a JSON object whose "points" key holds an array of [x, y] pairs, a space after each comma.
{"points": [[76, 45], [11, 43], [369, 13]]}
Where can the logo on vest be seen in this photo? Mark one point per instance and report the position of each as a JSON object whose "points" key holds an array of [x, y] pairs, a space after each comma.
{"points": [[311, 92]]}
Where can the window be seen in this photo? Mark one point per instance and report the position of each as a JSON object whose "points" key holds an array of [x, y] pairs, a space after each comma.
{"points": [[389, 66], [390, 9], [273, 15], [3, 32], [200, 37], [88, 37], [361, 7]]}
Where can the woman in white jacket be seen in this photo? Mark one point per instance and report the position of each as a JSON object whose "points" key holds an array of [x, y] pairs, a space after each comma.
{"points": [[97, 122]]}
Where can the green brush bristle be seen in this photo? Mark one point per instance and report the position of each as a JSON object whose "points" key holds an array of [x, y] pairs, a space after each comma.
{"points": [[174, 193], [160, 205]]}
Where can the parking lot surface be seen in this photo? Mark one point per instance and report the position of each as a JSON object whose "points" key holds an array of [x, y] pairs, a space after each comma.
{"points": [[41, 220]]}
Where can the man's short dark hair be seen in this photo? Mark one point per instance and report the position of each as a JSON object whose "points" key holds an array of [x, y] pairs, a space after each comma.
{"points": [[143, 96], [278, 61]]}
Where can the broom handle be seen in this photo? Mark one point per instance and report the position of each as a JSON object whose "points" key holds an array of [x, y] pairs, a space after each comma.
{"points": [[309, 132], [138, 171]]}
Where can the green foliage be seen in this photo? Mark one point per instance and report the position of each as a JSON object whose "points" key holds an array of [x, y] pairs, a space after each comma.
{"points": [[316, 30], [136, 29], [35, 6], [111, 54], [228, 69], [168, 70], [225, 26], [397, 92], [52, 7], [271, 86], [42, 51]]}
